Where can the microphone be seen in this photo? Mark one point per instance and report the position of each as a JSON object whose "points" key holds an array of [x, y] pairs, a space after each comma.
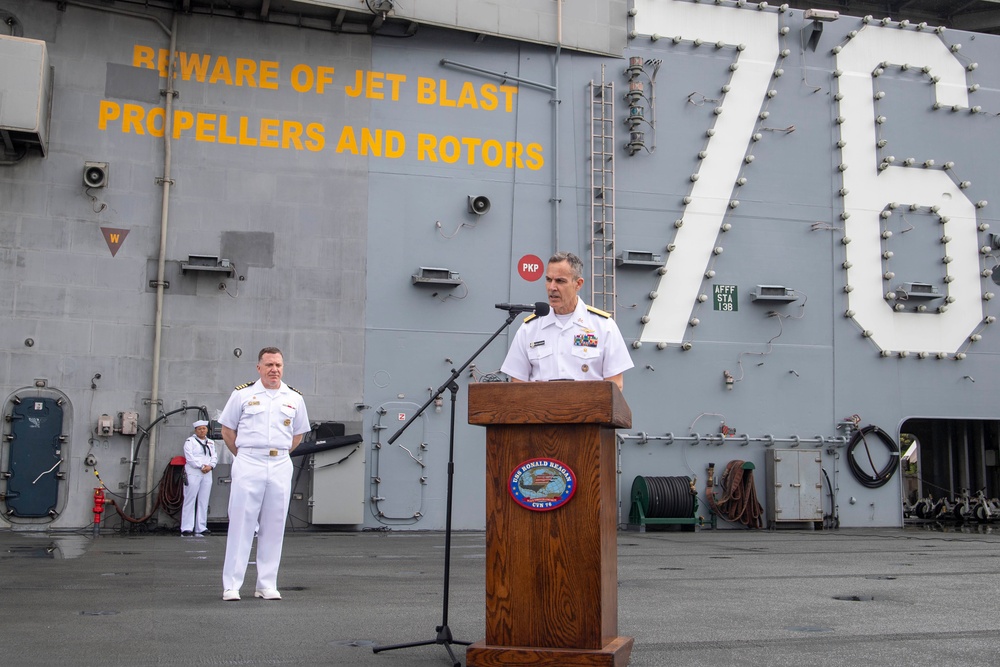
{"points": [[540, 308]]}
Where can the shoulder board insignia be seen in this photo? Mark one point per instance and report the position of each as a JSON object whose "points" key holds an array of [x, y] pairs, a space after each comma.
{"points": [[245, 384], [597, 311], [531, 317], [294, 389]]}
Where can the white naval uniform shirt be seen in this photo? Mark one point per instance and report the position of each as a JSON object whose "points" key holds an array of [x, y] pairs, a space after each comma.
{"points": [[195, 456], [265, 421], [588, 347]]}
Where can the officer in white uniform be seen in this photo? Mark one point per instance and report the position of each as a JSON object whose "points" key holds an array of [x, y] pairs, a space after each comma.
{"points": [[261, 424], [574, 341], [200, 458]]}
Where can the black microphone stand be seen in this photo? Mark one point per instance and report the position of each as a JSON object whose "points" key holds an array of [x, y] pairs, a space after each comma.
{"points": [[444, 636]]}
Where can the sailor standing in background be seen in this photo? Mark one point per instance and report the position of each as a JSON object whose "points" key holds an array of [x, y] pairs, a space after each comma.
{"points": [[200, 458], [574, 341], [261, 424]]}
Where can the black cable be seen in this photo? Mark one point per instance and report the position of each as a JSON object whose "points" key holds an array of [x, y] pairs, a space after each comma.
{"points": [[14, 160], [337, 463], [873, 480], [834, 518], [298, 475], [202, 412], [381, 9], [291, 522]]}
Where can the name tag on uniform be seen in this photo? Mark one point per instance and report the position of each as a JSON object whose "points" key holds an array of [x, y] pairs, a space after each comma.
{"points": [[537, 343], [253, 402]]}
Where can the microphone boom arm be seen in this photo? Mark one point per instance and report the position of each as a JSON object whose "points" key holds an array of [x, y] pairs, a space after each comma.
{"points": [[455, 372]]}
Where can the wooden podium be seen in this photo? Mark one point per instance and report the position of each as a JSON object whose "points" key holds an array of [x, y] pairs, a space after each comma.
{"points": [[551, 574]]}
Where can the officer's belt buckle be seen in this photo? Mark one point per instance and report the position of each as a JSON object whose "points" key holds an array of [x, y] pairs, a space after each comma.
{"points": [[272, 452]]}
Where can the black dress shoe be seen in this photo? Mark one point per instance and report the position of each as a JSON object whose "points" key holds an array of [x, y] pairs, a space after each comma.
{"points": [[205, 532], [186, 533]]}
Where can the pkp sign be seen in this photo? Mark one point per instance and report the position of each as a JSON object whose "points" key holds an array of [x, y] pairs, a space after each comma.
{"points": [[530, 267]]}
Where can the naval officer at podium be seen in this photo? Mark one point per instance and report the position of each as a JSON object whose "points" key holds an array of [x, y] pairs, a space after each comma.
{"points": [[574, 341]]}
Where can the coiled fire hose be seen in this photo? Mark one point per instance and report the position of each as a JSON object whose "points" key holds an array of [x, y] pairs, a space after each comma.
{"points": [[738, 503]]}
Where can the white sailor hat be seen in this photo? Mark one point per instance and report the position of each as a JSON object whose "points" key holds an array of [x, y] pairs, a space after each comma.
{"points": [[200, 422]]}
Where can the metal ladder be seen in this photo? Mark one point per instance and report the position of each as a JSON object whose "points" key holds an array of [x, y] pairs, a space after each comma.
{"points": [[602, 192]]}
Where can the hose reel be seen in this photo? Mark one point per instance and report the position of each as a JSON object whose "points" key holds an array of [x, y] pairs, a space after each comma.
{"points": [[664, 501]]}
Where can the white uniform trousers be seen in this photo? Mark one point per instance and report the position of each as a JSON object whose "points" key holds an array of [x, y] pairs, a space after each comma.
{"points": [[258, 501], [194, 513]]}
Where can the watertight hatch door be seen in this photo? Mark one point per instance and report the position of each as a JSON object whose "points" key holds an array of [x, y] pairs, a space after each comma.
{"points": [[35, 457]]}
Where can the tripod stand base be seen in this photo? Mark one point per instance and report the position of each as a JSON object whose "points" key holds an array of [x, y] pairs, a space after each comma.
{"points": [[443, 638], [614, 654]]}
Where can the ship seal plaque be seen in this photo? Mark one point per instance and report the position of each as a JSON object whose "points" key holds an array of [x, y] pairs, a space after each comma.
{"points": [[542, 484]]}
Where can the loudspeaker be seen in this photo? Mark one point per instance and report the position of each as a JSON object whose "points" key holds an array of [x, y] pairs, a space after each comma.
{"points": [[479, 204], [95, 174]]}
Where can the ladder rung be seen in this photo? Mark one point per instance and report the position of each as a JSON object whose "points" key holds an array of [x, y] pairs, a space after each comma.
{"points": [[603, 147]]}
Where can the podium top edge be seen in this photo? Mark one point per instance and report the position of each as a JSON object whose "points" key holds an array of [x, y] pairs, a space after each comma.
{"points": [[579, 402]]}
